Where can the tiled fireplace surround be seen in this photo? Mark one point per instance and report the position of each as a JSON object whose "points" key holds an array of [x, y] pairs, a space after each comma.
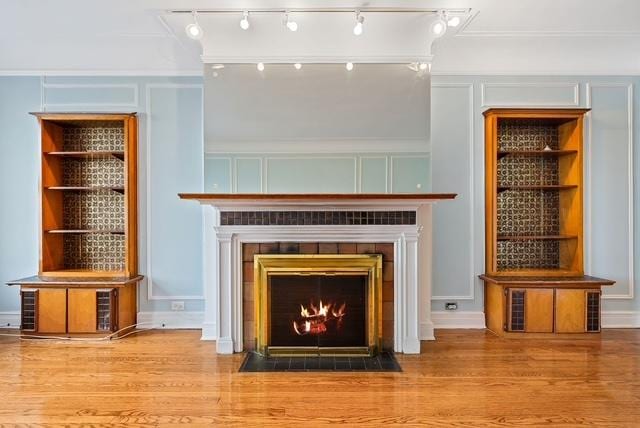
{"points": [[236, 227], [251, 249]]}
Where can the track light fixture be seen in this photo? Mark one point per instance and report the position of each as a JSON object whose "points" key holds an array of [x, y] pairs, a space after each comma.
{"points": [[194, 30], [290, 24], [260, 66], [244, 22], [349, 66], [454, 21], [357, 30], [439, 26]]}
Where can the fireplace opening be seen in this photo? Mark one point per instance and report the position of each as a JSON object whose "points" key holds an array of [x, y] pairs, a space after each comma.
{"points": [[318, 311], [318, 304]]}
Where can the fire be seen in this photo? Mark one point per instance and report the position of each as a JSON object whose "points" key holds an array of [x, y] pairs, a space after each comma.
{"points": [[315, 320]]}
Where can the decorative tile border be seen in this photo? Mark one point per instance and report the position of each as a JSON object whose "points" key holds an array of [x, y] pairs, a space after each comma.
{"points": [[281, 218]]}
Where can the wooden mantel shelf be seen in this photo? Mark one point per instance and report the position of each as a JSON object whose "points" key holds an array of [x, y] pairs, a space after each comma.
{"points": [[315, 198]]}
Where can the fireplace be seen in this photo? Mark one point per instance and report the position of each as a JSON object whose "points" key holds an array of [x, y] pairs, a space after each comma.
{"points": [[328, 304]]}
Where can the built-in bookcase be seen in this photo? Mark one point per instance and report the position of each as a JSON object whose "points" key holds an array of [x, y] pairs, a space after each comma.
{"points": [[534, 280], [88, 194], [534, 192]]}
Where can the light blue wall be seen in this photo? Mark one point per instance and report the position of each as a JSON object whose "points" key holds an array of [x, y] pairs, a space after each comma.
{"points": [[611, 136], [170, 140], [19, 164], [171, 114], [318, 172]]}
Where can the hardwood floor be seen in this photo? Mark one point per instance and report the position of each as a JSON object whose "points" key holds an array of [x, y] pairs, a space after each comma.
{"points": [[466, 378]]}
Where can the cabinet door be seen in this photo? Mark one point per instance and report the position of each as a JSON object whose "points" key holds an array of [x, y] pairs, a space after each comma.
{"points": [[539, 311], [82, 311], [52, 310], [570, 311]]}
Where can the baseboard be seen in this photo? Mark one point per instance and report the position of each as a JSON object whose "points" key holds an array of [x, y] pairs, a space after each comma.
{"points": [[10, 319], [620, 319], [171, 320], [454, 319]]}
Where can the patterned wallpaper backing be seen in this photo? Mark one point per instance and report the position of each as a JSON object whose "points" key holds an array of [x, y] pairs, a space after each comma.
{"points": [[94, 136], [96, 210], [527, 212], [526, 134]]}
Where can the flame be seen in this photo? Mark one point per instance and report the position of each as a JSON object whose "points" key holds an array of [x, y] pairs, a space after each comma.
{"points": [[315, 319]]}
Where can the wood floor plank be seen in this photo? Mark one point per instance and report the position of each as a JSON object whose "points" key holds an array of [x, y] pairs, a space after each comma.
{"points": [[465, 379]]}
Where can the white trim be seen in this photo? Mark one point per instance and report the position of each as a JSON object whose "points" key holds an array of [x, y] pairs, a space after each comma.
{"points": [[170, 320], [10, 319], [630, 185], [454, 319], [149, 274], [104, 72], [310, 157], [620, 319], [131, 105], [211, 156], [575, 86], [316, 59], [472, 229], [314, 146], [534, 73], [234, 189], [426, 155], [386, 171]]}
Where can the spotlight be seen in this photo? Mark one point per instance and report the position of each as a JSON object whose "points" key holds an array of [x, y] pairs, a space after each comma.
{"points": [[454, 21], [439, 26], [297, 66], [357, 30], [423, 66], [291, 25], [349, 66], [260, 66], [244, 22], [194, 30]]}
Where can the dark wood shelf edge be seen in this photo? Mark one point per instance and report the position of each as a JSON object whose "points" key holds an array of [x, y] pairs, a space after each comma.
{"points": [[70, 231], [316, 196], [97, 282], [546, 281], [536, 237]]}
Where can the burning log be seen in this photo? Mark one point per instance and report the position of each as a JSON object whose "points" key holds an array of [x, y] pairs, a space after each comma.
{"points": [[315, 321]]}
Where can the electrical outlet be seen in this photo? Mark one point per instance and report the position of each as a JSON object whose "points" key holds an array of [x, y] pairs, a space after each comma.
{"points": [[450, 306], [177, 306]]}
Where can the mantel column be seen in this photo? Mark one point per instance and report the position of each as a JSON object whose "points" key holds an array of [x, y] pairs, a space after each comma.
{"points": [[224, 344]]}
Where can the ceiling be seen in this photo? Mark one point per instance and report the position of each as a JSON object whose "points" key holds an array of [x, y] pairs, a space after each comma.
{"points": [[124, 37]]}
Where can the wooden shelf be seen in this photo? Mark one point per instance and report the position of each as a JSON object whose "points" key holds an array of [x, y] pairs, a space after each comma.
{"points": [[115, 232], [118, 189], [550, 153], [88, 154], [535, 237], [539, 187]]}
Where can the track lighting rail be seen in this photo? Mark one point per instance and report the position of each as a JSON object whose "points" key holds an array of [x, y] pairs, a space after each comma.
{"points": [[323, 10]]}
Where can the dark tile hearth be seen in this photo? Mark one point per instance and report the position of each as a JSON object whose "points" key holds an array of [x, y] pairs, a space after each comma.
{"points": [[384, 362]]}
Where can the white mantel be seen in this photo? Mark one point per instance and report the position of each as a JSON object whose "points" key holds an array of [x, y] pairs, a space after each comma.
{"points": [[223, 256]]}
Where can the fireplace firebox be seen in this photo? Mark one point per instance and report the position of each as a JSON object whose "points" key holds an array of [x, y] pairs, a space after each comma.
{"points": [[318, 304]]}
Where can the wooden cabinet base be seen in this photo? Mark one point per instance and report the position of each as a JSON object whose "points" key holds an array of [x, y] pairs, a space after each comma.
{"points": [[538, 307], [65, 307]]}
